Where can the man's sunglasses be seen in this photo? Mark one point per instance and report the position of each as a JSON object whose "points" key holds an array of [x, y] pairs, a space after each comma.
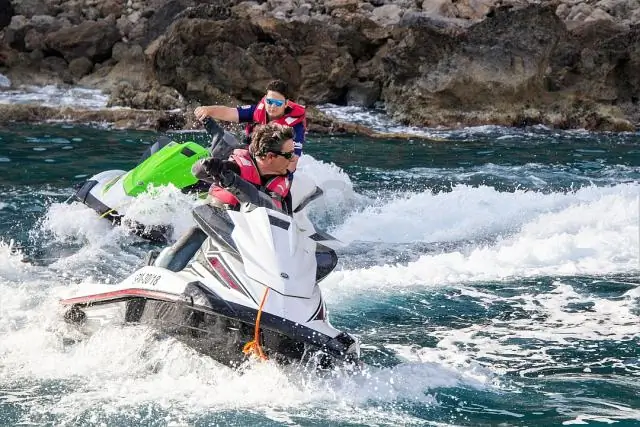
{"points": [[286, 154], [276, 102]]}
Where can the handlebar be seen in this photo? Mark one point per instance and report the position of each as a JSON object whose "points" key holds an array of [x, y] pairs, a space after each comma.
{"points": [[244, 191], [213, 129]]}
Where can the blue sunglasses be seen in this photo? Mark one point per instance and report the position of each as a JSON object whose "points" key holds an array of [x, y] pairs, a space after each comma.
{"points": [[276, 102]]}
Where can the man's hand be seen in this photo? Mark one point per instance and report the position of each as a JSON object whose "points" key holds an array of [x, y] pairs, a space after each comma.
{"points": [[227, 177], [202, 112], [217, 112], [213, 167]]}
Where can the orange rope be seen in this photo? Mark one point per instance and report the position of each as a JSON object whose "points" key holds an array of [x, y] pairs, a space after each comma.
{"points": [[253, 347]]}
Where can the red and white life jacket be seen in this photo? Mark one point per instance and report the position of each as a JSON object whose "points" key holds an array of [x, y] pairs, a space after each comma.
{"points": [[277, 187], [294, 114]]}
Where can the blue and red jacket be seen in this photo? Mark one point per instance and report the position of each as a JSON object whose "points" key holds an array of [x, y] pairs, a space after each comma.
{"points": [[294, 116]]}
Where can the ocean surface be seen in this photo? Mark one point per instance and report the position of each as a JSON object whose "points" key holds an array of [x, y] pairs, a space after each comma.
{"points": [[491, 274]]}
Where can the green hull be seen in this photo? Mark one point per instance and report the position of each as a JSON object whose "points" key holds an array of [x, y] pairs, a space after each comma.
{"points": [[171, 165]]}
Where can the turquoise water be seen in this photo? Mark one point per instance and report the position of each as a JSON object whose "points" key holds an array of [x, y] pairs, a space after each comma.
{"points": [[492, 276]]}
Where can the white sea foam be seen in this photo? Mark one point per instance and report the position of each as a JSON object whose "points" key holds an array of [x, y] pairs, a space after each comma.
{"points": [[380, 121], [4, 81], [590, 231], [377, 120], [55, 96], [128, 367], [339, 197]]}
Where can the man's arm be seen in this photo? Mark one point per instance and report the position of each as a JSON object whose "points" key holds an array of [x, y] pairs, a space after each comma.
{"points": [[200, 169], [217, 112], [245, 113], [298, 141]]}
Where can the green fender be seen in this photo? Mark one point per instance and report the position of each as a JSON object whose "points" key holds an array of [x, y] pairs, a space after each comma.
{"points": [[171, 165]]}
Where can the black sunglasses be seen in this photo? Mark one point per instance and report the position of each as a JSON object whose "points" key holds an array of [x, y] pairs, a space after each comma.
{"points": [[286, 154]]}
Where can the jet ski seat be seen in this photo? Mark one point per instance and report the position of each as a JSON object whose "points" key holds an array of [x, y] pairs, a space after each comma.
{"points": [[177, 256]]}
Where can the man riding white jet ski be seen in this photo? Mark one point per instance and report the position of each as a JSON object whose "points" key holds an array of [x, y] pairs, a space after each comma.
{"points": [[242, 281]]}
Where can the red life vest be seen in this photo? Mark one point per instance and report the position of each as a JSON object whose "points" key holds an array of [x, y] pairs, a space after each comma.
{"points": [[277, 187], [294, 114]]}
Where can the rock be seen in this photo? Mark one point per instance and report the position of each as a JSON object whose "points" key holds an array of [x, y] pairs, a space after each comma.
{"points": [[134, 17], [348, 5], [124, 26], [363, 94], [90, 39], [366, 7], [36, 55], [162, 18], [220, 51], [152, 49], [93, 14], [110, 7], [45, 23], [303, 10], [29, 8], [137, 31], [127, 52], [501, 58], [80, 67], [55, 63], [14, 34], [619, 9], [157, 98], [34, 40], [388, 14], [6, 12], [431, 62], [121, 118]]}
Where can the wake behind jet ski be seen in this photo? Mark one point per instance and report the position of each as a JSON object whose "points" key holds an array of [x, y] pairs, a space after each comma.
{"points": [[247, 277], [109, 193]]}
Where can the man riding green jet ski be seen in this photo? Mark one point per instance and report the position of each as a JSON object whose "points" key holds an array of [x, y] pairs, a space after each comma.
{"points": [[111, 192]]}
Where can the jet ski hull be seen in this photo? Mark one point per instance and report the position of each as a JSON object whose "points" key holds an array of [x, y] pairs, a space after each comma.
{"points": [[209, 324], [87, 194]]}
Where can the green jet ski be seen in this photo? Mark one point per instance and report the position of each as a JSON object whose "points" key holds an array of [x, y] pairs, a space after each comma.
{"points": [[165, 162]]}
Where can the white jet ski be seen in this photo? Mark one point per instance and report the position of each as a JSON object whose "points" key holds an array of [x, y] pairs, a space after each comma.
{"points": [[236, 267]]}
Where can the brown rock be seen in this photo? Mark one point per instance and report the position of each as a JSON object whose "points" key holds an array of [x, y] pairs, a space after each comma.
{"points": [[498, 62], [363, 94], [89, 39], [30, 8], [111, 7], [80, 67], [347, 5], [121, 118], [33, 40], [6, 12]]}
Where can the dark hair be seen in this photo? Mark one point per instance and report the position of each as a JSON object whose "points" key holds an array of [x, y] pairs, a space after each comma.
{"points": [[279, 86], [269, 137]]}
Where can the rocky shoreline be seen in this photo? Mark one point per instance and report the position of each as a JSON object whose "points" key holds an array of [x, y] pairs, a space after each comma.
{"points": [[437, 63]]}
